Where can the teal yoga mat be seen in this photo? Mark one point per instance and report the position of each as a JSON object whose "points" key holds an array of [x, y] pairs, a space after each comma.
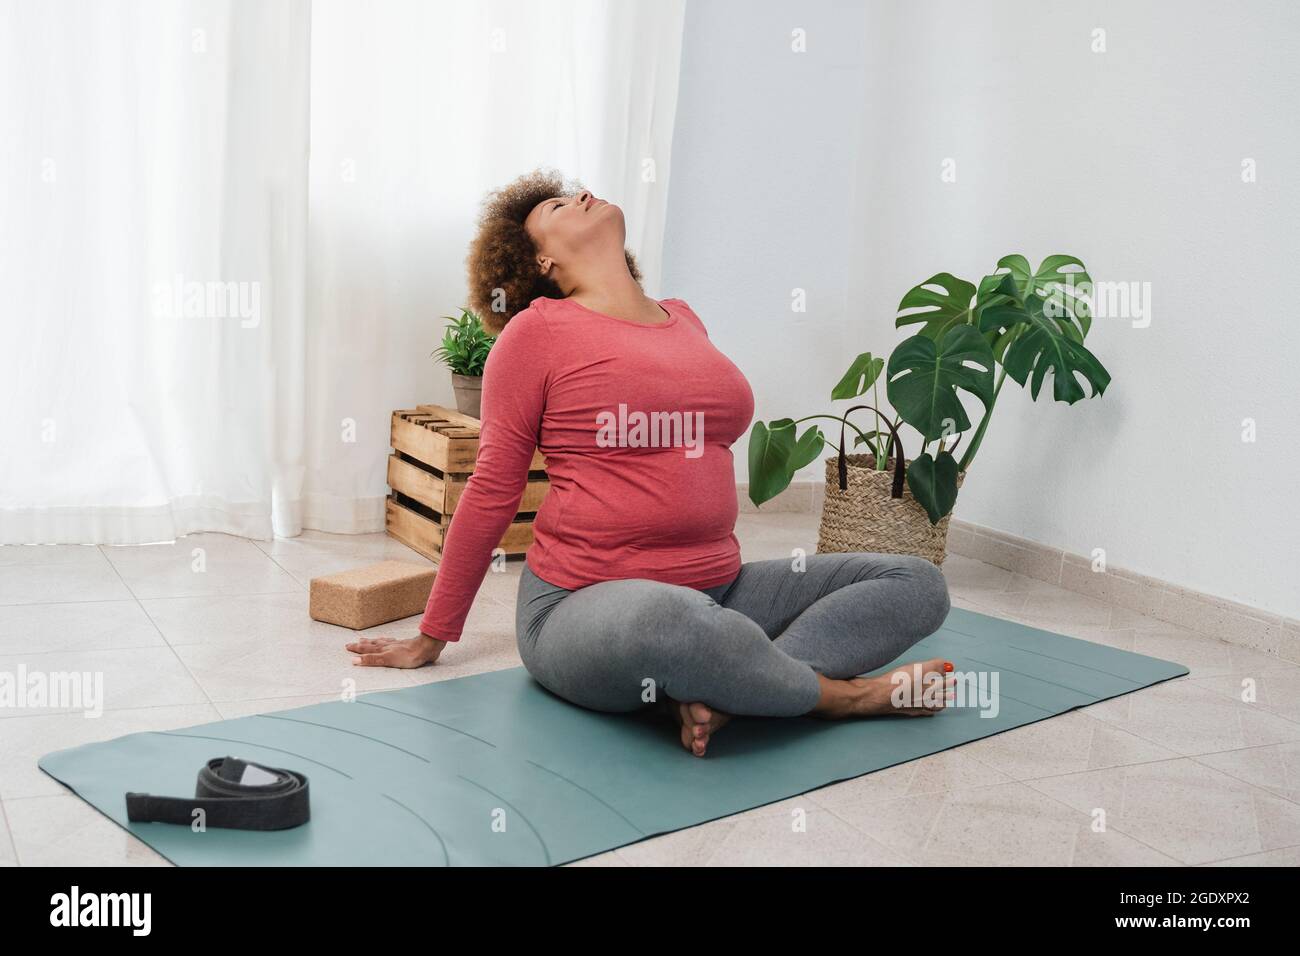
{"points": [[493, 769]]}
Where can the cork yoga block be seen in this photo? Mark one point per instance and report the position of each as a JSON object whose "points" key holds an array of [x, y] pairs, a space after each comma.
{"points": [[376, 594]]}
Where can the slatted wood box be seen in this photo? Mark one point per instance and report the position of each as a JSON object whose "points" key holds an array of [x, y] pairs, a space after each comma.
{"points": [[434, 452]]}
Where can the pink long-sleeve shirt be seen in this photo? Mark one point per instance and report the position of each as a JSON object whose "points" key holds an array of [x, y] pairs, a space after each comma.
{"points": [[636, 422]]}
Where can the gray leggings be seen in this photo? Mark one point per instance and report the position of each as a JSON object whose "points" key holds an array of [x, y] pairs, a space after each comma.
{"points": [[754, 646]]}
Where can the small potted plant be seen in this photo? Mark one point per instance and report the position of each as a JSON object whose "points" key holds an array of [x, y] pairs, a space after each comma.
{"points": [[464, 349], [1017, 323]]}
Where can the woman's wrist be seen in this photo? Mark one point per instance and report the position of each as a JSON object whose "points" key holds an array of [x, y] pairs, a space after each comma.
{"points": [[431, 646]]}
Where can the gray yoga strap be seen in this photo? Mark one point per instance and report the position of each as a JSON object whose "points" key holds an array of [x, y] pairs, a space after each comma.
{"points": [[232, 794]]}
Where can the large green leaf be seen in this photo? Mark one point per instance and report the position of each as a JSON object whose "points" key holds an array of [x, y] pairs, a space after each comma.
{"points": [[769, 458], [997, 290], [775, 455], [1065, 289], [944, 301], [923, 380], [862, 374], [1002, 314], [1042, 347], [808, 447], [933, 483]]}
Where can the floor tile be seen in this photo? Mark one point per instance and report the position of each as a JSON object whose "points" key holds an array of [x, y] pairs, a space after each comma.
{"points": [[90, 580], [1004, 604], [1006, 824], [1182, 808], [127, 678], [1206, 656], [1274, 688], [967, 576], [238, 669], [24, 740], [66, 831], [1024, 584], [221, 619], [1055, 607], [185, 549], [1066, 743], [1191, 720], [601, 859], [1289, 856], [693, 846], [953, 769], [179, 575], [795, 832], [1275, 768], [83, 626], [374, 547], [13, 555]]}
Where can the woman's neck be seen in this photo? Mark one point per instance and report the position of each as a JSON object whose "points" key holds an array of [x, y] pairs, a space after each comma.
{"points": [[621, 297]]}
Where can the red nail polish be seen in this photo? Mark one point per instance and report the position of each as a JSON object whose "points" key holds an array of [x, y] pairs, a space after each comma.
{"points": [[947, 667]]}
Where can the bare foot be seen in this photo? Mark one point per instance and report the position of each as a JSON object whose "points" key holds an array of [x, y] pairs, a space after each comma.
{"points": [[874, 696], [697, 723]]}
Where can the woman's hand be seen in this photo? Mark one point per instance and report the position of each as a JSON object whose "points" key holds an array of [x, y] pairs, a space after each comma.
{"points": [[396, 652]]}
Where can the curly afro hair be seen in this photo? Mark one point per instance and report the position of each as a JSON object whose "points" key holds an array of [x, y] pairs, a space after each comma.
{"points": [[503, 276]]}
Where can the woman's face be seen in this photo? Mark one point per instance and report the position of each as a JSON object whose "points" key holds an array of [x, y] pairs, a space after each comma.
{"points": [[565, 228]]}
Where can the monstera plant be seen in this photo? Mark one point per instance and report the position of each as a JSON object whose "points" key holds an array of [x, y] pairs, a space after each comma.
{"points": [[1017, 323]]}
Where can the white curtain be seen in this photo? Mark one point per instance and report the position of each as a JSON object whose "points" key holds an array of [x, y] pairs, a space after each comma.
{"points": [[152, 230], [204, 329], [417, 110]]}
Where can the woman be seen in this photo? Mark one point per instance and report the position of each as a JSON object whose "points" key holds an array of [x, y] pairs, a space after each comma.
{"points": [[633, 592]]}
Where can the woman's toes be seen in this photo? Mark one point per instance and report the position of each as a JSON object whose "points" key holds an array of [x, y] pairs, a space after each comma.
{"points": [[697, 723], [693, 742], [687, 737], [685, 718]]}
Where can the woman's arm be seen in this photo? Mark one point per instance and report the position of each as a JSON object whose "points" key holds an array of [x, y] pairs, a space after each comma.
{"points": [[515, 378]]}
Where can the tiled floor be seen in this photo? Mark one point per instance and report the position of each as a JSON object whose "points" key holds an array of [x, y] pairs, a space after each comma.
{"points": [[1186, 772]]}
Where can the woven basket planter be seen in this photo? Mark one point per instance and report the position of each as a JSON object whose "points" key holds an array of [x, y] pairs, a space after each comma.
{"points": [[864, 517]]}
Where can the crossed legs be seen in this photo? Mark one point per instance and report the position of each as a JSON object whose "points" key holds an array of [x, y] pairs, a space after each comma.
{"points": [[778, 641]]}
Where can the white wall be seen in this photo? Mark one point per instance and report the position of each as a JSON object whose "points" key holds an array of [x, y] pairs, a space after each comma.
{"points": [[1130, 159], [764, 165]]}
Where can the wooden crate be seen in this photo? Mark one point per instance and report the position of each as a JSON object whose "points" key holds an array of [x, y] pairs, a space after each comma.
{"points": [[434, 452]]}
